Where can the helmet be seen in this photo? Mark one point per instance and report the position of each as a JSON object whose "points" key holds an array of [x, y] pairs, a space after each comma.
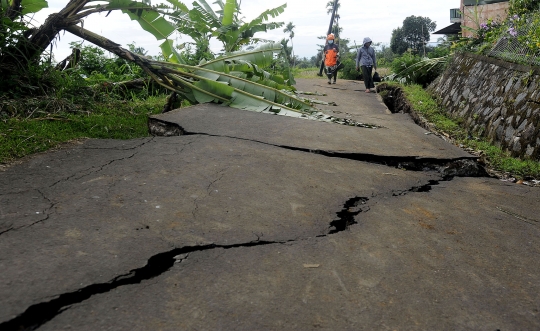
{"points": [[330, 37]]}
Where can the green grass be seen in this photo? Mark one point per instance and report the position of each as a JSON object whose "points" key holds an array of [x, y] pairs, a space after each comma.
{"points": [[115, 120], [305, 72], [499, 160]]}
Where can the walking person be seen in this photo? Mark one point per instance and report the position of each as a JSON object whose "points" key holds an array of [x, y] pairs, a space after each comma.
{"points": [[331, 56], [367, 60]]}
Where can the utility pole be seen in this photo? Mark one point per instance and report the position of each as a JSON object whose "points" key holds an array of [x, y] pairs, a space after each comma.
{"points": [[329, 31]]}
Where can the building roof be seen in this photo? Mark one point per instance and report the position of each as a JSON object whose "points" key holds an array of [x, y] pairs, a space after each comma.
{"points": [[451, 29]]}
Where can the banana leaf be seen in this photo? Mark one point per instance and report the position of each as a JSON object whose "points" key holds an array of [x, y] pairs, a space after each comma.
{"points": [[228, 12], [150, 20], [169, 52], [264, 96], [250, 62], [179, 5], [32, 6]]}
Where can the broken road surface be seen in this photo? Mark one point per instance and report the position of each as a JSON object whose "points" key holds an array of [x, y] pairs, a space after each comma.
{"points": [[240, 220]]}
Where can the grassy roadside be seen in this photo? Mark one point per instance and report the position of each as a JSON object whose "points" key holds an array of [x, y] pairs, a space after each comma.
{"points": [[498, 161], [115, 120]]}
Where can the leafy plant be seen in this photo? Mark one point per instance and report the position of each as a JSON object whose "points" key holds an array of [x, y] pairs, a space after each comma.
{"points": [[203, 23], [413, 69], [290, 30], [520, 7]]}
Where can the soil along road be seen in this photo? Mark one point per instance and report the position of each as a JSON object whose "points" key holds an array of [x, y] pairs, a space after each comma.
{"points": [[243, 221]]}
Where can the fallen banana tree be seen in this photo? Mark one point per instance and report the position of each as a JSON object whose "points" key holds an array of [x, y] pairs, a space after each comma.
{"points": [[233, 80]]}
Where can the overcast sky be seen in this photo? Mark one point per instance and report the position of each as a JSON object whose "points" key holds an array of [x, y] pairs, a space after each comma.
{"points": [[359, 19]]}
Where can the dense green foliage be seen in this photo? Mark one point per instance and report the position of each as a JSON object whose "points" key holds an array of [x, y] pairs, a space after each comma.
{"points": [[349, 67], [202, 23], [44, 107], [413, 35], [398, 45], [414, 69], [520, 7]]}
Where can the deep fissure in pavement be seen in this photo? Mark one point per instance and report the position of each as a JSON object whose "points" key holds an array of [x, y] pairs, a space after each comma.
{"points": [[421, 189], [346, 216], [458, 167], [38, 314]]}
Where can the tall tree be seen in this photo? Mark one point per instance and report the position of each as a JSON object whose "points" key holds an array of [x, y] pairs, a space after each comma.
{"points": [[330, 8], [398, 43], [289, 28], [416, 31]]}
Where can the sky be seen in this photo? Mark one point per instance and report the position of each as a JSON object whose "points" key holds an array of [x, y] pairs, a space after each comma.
{"points": [[359, 19]]}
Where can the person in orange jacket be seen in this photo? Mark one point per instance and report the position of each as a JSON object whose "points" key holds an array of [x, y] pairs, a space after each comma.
{"points": [[331, 57]]}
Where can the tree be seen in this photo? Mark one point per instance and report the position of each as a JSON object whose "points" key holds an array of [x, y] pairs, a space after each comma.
{"points": [[202, 23], [287, 51], [330, 8], [416, 31], [235, 79], [29, 45], [290, 30], [398, 45]]}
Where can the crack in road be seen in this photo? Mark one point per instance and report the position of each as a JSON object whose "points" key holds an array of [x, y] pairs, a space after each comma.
{"points": [[148, 140], [208, 192], [423, 188], [91, 170], [448, 167], [347, 214], [38, 314], [459, 167], [46, 212], [101, 167]]}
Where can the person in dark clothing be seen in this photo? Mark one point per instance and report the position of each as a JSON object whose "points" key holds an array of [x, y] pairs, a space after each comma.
{"points": [[367, 60], [331, 56]]}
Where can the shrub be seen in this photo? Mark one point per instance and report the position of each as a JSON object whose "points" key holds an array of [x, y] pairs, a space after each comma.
{"points": [[412, 69], [349, 69]]}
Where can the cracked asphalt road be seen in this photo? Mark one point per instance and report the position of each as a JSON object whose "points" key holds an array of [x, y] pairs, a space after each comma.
{"points": [[254, 221]]}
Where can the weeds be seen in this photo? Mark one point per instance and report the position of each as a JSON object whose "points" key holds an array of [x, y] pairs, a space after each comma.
{"points": [[113, 120]]}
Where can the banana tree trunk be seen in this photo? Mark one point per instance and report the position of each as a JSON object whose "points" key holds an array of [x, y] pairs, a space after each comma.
{"points": [[37, 40], [110, 46], [40, 39]]}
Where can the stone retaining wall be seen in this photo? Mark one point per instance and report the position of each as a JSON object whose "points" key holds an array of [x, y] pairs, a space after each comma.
{"points": [[496, 99]]}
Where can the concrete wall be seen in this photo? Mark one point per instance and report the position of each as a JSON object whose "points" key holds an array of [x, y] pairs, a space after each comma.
{"points": [[495, 11], [496, 99]]}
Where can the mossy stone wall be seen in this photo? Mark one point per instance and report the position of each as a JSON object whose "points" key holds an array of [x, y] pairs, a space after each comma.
{"points": [[497, 100]]}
